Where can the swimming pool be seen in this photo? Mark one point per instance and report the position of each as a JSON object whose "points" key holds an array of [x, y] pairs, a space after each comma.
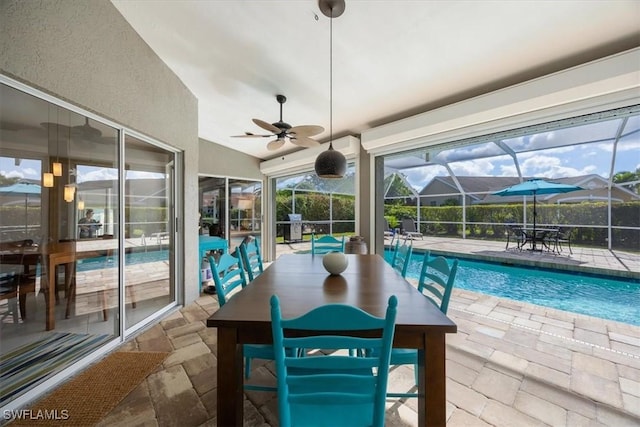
{"points": [[131, 258], [595, 296]]}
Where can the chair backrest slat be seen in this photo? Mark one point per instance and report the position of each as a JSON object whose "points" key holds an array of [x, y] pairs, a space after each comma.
{"points": [[328, 389], [251, 258], [436, 280], [228, 275], [326, 244], [402, 256]]}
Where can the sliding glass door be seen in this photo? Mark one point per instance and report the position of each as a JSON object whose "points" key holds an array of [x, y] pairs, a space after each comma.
{"points": [[87, 233], [230, 208]]}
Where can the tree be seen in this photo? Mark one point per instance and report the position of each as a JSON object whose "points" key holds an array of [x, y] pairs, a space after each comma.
{"points": [[398, 191], [626, 176], [5, 181]]}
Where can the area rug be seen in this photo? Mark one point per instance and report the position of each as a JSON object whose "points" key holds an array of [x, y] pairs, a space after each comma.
{"points": [[30, 364], [91, 395]]}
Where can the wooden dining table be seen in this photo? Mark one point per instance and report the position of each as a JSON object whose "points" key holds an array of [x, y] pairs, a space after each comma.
{"points": [[302, 283]]}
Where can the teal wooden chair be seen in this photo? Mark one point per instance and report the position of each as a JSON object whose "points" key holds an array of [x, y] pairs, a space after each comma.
{"points": [[330, 389], [326, 244], [402, 256], [229, 278], [251, 258], [436, 284]]}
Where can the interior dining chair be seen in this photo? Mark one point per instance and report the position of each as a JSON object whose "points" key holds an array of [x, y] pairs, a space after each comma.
{"points": [[251, 258], [9, 292], [330, 388], [229, 278], [436, 284], [326, 244], [402, 256]]}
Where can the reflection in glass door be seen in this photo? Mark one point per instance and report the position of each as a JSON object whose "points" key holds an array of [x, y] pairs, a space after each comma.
{"points": [[84, 237], [149, 229], [245, 207], [231, 209]]}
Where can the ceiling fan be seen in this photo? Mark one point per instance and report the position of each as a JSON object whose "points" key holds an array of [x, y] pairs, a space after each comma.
{"points": [[85, 131], [298, 135]]}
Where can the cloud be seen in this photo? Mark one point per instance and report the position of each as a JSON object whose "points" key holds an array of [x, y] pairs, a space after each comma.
{"points": [[144, 175], [103, 174], [12, 174], [551, 167], [480, 167], [420, 177]]}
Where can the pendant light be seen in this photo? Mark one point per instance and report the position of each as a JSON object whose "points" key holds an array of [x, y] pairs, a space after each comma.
{"points": [[331, 163], [56, 167], [69, 193], [47, 177]]}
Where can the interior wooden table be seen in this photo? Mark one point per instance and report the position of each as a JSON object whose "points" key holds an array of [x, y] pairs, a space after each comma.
{"points": [[67, 253], [301, 283]]}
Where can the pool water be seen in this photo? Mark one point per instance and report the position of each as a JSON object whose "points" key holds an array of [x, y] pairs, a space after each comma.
{"points": [[596, 296], [130, 259]]}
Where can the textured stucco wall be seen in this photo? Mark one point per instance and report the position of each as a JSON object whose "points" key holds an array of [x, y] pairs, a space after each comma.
{"points": [[87, 54], [218, 160]]}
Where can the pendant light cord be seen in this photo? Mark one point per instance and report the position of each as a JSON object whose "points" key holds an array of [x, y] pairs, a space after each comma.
{"points": [[331, 81]]}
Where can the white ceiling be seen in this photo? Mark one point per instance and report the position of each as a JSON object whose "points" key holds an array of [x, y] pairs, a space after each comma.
{"points": [[391, 59]]}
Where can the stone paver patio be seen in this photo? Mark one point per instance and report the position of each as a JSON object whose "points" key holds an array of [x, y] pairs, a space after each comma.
{"points": [[510, 364]]}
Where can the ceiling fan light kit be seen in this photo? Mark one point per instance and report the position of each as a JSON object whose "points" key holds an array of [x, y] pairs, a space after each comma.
{"points": [[331, 163]]}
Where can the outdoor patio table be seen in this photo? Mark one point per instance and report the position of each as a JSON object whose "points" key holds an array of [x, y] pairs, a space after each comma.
{"points": [[542, 236], [301, 283]]}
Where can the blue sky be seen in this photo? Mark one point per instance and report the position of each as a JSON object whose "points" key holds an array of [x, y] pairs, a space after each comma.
{"points": [[556, 162]]}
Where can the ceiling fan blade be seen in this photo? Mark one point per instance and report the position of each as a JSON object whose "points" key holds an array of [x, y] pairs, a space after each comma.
{"points": [[303, 141], [249, 135], [275, 144], [306, 130], [56, 127], [267, 126]]}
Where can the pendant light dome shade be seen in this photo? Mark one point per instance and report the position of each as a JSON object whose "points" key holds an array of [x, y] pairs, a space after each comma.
{"points": [[331, 164]]}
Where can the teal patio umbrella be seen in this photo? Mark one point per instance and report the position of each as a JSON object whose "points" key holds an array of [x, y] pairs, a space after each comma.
{"points": [[533, 187]]}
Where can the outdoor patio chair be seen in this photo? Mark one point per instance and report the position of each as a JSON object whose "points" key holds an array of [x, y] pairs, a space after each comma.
{"points": [[388, 231], [331, 388], [563, 237], [515, 234], [409, 228], [326, 244]]}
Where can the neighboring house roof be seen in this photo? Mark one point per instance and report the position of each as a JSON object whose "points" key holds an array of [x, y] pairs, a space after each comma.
{"points": [[471, 184], [481, 187]]}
